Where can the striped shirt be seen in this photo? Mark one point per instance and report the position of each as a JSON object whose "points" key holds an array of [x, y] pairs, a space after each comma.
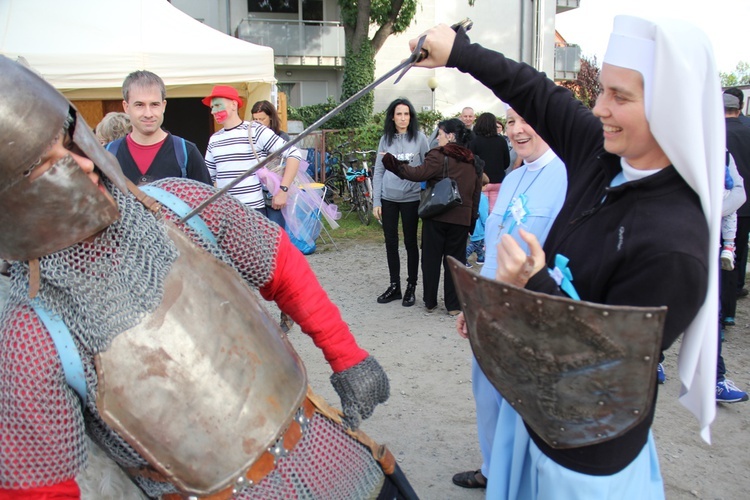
{"points": [[229, 155]]}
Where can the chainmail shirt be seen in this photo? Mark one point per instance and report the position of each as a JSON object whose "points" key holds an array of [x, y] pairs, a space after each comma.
{"points": [[100, 289]]}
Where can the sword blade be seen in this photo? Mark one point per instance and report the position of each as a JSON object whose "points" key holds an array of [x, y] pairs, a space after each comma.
{"points": [[335, 111]]}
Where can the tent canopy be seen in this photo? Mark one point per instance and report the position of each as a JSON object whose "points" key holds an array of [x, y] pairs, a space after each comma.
{"points": [[86, 48]]}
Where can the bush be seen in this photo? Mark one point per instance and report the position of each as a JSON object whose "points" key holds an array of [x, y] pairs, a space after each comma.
{"points": [[361, 138]]}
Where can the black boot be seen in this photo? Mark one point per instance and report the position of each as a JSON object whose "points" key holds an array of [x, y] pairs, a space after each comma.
{"points": [[409, 295], [393, 293]]}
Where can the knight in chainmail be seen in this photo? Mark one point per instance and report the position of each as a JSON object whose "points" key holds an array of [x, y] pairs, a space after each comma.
{"points": [[127, 325]]}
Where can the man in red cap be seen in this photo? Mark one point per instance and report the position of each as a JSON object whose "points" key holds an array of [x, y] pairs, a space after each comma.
{"points": [[150, 153], [238, 146]]}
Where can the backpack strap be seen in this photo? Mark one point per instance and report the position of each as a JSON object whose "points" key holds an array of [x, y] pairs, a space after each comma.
{"points": [[180, 151], [66, 348], [113, 146], [179, 207]]}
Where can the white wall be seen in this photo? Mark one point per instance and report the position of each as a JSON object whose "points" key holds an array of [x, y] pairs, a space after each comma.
{"points": [[497, 25]]}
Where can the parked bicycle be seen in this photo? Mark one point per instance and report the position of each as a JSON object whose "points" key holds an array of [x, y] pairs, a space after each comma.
{"points": [[352, 182]]}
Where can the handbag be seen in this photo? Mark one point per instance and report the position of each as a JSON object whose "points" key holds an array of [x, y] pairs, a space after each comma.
{"points": [[440, 197]]}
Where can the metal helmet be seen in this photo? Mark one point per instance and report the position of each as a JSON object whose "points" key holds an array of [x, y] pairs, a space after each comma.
{"points": [[62, 206]]}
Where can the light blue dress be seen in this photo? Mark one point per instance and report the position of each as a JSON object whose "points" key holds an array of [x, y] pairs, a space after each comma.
{"points": [[542, 184]]}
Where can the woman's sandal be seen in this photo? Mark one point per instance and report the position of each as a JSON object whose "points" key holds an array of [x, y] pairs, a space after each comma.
{"points": [[470, 479]]}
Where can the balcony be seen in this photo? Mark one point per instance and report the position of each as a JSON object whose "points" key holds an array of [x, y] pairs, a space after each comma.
{"points": [[566, 5], [297, 43], [567, 62]]}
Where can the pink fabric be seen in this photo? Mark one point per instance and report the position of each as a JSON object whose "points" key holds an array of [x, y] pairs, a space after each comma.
{"points": [[491, 190]]}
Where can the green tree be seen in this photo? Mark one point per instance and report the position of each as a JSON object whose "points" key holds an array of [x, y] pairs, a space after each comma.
{"points": [[740, 76], [357, 16], [586, 87]]}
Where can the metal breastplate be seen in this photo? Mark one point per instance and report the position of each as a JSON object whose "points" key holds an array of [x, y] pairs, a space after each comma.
{"points": [[205, 383], [578, 373]]}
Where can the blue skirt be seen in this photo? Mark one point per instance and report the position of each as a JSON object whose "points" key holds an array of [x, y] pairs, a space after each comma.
{"points": [[519, 470]]}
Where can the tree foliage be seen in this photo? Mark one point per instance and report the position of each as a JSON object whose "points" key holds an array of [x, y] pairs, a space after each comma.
{"points": [[357, 16], [740, 76], [586, 87]]}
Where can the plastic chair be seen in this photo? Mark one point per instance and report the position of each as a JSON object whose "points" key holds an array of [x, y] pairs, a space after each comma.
{"points": [[318, 211]]}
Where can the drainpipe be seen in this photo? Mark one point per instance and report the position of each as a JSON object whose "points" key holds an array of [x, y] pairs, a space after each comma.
{"points": [[229, 18], [522, 36]]}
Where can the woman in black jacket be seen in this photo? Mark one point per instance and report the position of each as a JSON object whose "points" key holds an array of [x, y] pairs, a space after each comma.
{"points": [[492, 148], [445, 234]]}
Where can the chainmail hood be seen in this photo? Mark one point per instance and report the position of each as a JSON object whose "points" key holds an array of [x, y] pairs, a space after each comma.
{"points": [[103, 287]]}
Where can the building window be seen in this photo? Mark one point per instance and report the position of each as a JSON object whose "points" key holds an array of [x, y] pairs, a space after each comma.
{"points": [[276, 6]]}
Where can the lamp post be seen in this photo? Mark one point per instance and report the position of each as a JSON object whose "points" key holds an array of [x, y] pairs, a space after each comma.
{"points": [[433, 84]]}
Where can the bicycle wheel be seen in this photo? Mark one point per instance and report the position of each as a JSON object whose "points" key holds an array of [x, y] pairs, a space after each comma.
{"points": [[335, 185], [363, 203]]}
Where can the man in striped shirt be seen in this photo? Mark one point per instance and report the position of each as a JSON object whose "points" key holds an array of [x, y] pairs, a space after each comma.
{"points": [[230, 153]]}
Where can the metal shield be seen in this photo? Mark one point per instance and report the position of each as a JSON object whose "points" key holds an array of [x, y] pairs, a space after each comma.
{"points": [[578, 373], [204, 384]]}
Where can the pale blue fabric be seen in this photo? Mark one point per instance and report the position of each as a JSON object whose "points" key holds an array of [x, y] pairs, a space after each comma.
{"points": [[520, 471], [545, 192], [66, 348], [484, 209], [179, 207]]}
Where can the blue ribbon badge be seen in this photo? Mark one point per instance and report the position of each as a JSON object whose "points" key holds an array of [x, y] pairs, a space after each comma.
{"points": [[563, 276], [518, 209]]}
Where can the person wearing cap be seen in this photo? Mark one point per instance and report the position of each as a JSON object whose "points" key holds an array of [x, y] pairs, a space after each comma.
{"points": [[231, 152], [638, 228], [149, 153], [739, 94], [738, 145]]}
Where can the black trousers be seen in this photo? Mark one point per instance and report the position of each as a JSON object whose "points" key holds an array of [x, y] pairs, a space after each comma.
{"points": [[390, 212], [440, 239]]}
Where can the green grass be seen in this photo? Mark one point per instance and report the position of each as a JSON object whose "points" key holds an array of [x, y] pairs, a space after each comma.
{"points": [[351, 230]]}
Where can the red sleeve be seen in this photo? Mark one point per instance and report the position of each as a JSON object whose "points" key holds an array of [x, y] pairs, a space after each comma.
{"points": [[61, 491], [296, 290]]}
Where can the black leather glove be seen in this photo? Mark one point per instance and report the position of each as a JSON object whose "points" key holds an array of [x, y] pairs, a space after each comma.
{"points": [[391, 163], [361, 388]]}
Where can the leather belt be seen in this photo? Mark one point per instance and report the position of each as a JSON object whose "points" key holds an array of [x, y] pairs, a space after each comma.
{"points": [[263, 466]]}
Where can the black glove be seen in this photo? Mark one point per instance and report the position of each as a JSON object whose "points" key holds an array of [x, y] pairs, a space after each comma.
{"points": [[391, 164], [361, 388]]}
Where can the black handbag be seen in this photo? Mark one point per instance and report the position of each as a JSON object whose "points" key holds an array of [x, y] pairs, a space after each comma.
{"points": [[440, 197]]}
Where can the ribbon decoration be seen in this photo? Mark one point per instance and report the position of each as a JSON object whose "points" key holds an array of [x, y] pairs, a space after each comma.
{"points": [[519, 210], [563, 276]]}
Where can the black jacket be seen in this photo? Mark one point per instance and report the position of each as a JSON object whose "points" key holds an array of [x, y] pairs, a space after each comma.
{"points": [[738, 144], [164, 164], [494, 151], [644, 243]]}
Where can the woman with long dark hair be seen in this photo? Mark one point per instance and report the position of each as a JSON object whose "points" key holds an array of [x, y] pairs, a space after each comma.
{"points": [[265, 113], [394, 197], [445, 234], [493, 150]]}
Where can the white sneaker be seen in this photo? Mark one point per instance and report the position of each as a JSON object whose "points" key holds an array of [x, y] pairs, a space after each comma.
{"points": [[727, 259]]}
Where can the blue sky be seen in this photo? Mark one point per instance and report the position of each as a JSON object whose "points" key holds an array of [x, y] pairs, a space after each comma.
{"points": [[725, 22]]}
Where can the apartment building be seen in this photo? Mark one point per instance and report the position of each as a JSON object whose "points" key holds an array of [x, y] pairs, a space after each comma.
{"points": [[308, 42]]}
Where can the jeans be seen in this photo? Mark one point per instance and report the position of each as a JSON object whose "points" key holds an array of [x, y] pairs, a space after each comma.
{"points": [[476, 247]]}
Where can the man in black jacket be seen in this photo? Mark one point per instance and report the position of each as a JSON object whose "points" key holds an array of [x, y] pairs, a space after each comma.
{"points": [[738, 145]]}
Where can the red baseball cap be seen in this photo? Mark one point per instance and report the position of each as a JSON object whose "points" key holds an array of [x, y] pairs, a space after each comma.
{"points": [[224, 91]]}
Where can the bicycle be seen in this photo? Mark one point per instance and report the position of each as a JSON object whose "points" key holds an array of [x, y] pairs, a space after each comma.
{"points": [[353, 184]]}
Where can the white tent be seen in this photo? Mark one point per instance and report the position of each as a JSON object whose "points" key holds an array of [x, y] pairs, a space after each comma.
{"points": [[85, 48]]}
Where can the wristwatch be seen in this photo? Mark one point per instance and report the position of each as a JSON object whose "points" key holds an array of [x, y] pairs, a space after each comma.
{"points": [[284, 188]]}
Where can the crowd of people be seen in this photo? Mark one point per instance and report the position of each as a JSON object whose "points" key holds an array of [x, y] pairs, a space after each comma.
{"points": [[609, 206]]}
